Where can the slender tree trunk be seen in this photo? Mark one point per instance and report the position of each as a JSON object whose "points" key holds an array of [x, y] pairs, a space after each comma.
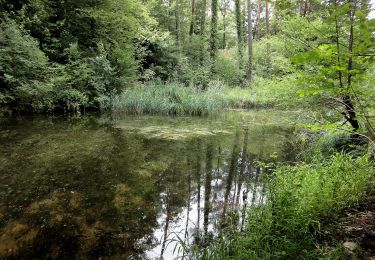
{"points": [[258, 20], [223, 10], [169, 10], [177, 20], [213, 40], [267, 18], [351, 113], [224, 31], [305, 8], [192, 22], [276, 16], [239, 33], [203, 17], [203, 28], [249, 41], [268, 33], [339, 72]]}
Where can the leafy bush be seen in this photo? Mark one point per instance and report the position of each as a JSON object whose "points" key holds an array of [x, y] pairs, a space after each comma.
{"points": [[271, 57], [159, 55], [23, 69], [227, 70]]}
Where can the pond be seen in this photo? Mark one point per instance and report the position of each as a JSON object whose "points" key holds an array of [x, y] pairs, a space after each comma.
{"points": [[129, 187]]}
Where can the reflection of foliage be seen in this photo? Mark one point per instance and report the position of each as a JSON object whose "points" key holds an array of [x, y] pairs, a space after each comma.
{"points": [[83, 183], [73, 187]]}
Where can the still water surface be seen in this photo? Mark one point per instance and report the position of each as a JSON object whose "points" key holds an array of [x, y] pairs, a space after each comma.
{"points": [[126, 187]]}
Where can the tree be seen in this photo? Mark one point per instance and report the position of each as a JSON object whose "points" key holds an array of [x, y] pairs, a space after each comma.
{"points": [[177, 21], [258, 20], [224, 6], [192, 22], [213, 35], [239, 32], [338, 65], [203, 17], [23, 67], [267, 33], [267, 18], [249, 41]]}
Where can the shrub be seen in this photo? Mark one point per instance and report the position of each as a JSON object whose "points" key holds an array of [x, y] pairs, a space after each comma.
{"points": [[23, 69], [226, 68]]}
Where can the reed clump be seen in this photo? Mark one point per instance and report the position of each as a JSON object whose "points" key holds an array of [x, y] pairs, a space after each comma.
{"points": [[174, 98], [170, 98]]}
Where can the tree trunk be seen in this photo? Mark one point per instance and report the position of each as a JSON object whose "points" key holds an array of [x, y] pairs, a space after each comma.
{"points": [[191, 31], [267, 19], [276, 16], [169, 10], [350, 111], [213, 44], [305, 8], [258, 20], [177, 19], [202, 29], [249, 41], [239, 32], [223, 10], [224, 33], [267, 33], [203, 17]]}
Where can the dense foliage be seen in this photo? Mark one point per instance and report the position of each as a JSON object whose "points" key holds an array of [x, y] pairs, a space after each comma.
{"points": [[68, 55], [71, 56]]}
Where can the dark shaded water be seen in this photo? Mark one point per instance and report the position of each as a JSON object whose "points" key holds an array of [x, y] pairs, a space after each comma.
{"points": [[126, 187]]}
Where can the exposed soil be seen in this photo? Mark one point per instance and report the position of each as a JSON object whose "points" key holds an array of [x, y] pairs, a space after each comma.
{"points": [[356, 230]]}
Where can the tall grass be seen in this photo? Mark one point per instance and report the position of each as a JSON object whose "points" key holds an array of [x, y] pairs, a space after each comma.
{"points": [[301, 199], [172, 98], [175, 98]]}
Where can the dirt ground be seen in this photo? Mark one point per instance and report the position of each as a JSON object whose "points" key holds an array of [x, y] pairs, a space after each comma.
{"points": [[356, 230]]}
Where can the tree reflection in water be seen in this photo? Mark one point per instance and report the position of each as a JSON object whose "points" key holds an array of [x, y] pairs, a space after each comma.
{"points": [[88, 187]]}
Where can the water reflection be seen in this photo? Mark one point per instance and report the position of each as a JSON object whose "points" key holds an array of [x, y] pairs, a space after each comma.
{"points": [[96, 187]]}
